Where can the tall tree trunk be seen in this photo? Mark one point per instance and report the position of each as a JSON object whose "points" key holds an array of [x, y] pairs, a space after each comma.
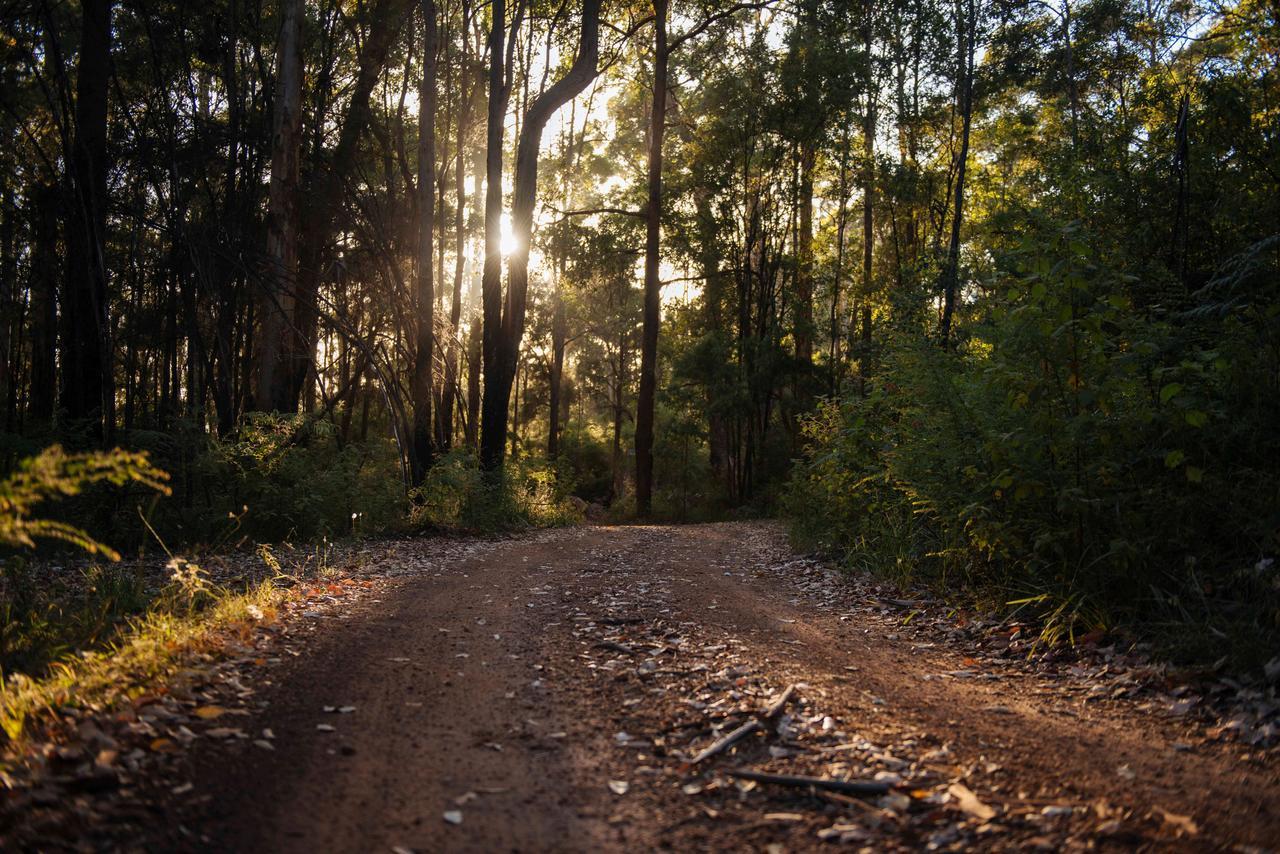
{"points": [[88, 389], [474, 333], [10, 316], [491, 443], [559, 332], [652, 285], [277, 299], [837, 282], [966, 37], [420, 447], [448, 398], [501, 371], [804, 267], [868, 187], [44, 307], [324, 199]]}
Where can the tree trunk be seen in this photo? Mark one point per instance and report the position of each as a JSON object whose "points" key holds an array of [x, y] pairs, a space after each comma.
{"points": [[652, 285], [559, 332], [868, 191], [804, 268], [491, 442], [474, 333], [501, 370], [278, 298], [10, 316], [420, 446], [44, 307], [88, 390], [448, 397], [964, 93], [324, 199]]}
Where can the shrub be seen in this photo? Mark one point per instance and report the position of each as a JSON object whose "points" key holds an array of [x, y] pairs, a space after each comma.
{"points": [[1085, 460], [457, 496]]}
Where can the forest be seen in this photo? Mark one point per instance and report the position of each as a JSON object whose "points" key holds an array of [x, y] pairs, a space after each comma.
{"points": [[976, 302]]}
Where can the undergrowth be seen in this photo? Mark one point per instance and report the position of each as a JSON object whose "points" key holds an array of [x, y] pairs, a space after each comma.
{"points": [[1085, 466], [189, 619], [458, 496]]}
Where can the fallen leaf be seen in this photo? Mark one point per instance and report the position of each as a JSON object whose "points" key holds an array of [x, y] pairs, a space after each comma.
{"points": [[1183, 822], [208, 713], [967, 801], [224, 732]]}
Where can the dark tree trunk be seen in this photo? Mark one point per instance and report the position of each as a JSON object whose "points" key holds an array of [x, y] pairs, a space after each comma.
{"points": [[868, 192], [278, 296], [500, 372], [324, 198], [88, 389], [44, 307], [967, 36], [652, 285], [491, 442], [804, 271], [420, 446], [474, 333], [10, 314], [448, 399], [559, 333]]}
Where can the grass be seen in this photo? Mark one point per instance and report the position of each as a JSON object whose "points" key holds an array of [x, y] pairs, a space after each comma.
{"points": [[189, 619]]}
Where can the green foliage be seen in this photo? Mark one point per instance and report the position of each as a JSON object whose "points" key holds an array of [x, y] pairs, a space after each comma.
{"points": [[56, 474], [41, 622], [1087, 461], [278, 478], [457, 496], [584, 462]]}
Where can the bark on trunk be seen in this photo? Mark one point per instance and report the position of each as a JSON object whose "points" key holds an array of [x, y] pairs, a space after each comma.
{"points": [[420, 447], [652, 284], [448, 398], [500, 371], [964, 92], [88, 390], [324, 199], [44, 308], [277, 298], [804, 270]]}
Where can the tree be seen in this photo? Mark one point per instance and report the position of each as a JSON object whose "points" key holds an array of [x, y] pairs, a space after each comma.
{"points": [[507, 318], [424, 295], [278, 299], [88, 385]]}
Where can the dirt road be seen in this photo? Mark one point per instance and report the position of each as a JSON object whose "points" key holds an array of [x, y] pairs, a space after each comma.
{"points": [[547, 694]]}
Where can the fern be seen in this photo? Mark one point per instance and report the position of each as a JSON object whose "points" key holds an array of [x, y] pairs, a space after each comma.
{"points": [[54, 473]]}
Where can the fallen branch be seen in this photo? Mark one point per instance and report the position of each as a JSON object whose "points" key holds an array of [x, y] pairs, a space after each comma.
{"points": [[848, 787], [616, 647], [728, 741], [776, 707]]}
